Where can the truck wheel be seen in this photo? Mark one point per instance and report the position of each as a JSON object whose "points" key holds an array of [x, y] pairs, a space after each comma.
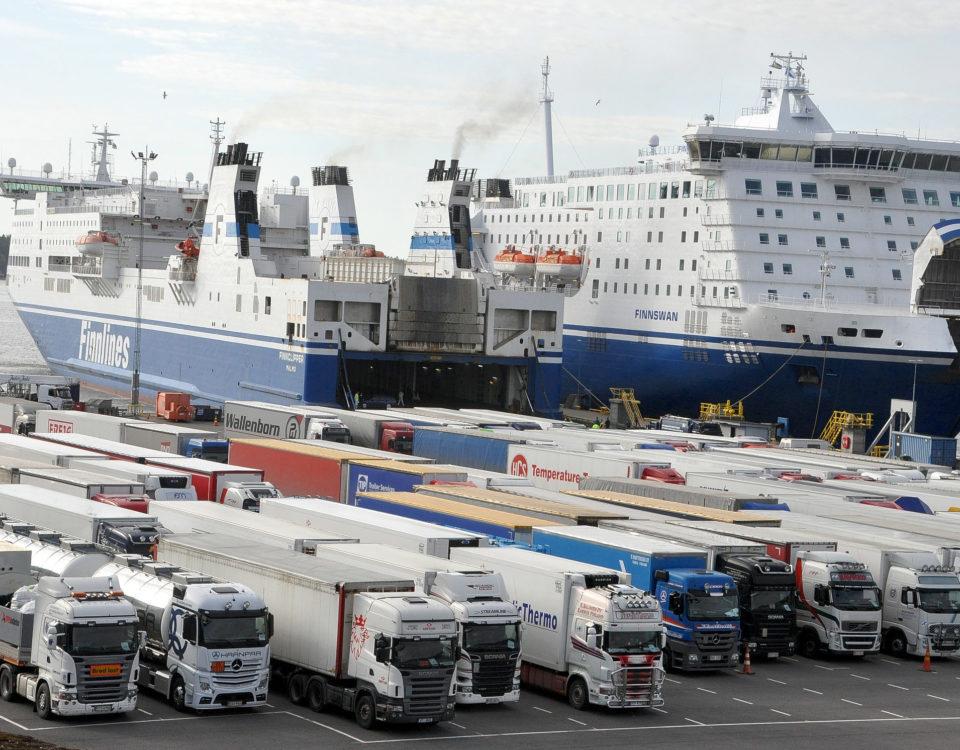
{"points": [[44, 709], [178, 694], [808, 645], [897, 644], [8, 688], [577, 694], [297, 689], [365, 711], [315, 690]]}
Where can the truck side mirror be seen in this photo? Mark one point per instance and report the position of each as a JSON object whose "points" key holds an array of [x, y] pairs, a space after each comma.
{"points": [[663, 639], [51, 641], [593, 636], [820, 594], [269, 624], [190, 628], [676, 603], [142, 638], [381, 648]]}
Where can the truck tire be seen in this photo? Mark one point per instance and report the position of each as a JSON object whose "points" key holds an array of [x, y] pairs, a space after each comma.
{"points": [[808, 644], [365, 711], [8, 684], [178, 694], [577, 694], [44, 709], [315, 697], [297, 689], [897, 644]]}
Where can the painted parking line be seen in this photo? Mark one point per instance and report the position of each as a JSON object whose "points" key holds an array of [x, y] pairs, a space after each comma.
{"points": [[575, 721], [537, 708], [860, 677], [898, 687], [18, 726], [937, 697], [779, 682], [741, 700], [788, 658], [712, 692], [458, 726], [659, 710], [144, 712], [782, 713], [325, 726], [891, 661], [693, 721], [891, 713], [852, 703], [815, 692], [820, 666], [52, 727], [670, 679]]}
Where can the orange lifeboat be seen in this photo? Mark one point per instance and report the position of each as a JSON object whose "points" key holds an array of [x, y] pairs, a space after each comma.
{"points": [[514, 262], [189, 248], [559, 263], [95, 242]]}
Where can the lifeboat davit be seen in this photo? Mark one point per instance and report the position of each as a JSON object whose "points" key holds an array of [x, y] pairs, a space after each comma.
{"points": [[95, 242], [189, 248], [560, 264], [514, 262]]}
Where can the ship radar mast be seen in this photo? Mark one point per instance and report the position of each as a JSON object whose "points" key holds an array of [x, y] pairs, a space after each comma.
{"points": [[546, 99], [100, 158], [216, 137], [792, 66]]}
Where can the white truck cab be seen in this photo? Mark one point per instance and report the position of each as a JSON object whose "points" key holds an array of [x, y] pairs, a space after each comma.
{"points": [[247, 495]]}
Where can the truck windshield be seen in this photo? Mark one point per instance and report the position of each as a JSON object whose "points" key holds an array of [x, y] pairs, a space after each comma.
{"points": [[216, 452], [61, 393], [423, 654], [102, 640], [855, 599], [491, 637], [402, 444], [619, 642], [939, 601], [235, 631], [703, 607], [774, 601]]}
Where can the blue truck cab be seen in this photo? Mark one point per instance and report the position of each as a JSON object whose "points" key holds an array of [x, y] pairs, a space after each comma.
{"points": [[700, 607], [205, 448]]}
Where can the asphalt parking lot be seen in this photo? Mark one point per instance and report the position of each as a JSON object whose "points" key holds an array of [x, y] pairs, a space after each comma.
{"points": [[865, 703]]}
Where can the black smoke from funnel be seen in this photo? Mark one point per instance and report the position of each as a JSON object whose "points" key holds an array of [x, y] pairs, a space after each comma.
{"points": [[497, 119]]}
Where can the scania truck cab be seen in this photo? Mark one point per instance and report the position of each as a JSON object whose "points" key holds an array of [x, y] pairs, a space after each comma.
{"points": [[767, 591], [838, 605]]}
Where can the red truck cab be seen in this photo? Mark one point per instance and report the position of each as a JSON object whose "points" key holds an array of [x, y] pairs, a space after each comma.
{"points": [[139, 503], [396, 437]]}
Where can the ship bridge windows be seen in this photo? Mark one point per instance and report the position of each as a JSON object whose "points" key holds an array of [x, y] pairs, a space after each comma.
{"points": [[892, 246], [808, 190], [897, 274], [760, 213], [844, 243], [872, 333], [782, 239], [778, 213], [911, 221], [768, 267], [930, 198], [848, 272], [784, 189], [909, 196], [753, 187], [955, 199], [842, 192], [664, 190], [764, 238], [847, 332], [817, 216], [788, 328], [888, 220], [878, 195]]}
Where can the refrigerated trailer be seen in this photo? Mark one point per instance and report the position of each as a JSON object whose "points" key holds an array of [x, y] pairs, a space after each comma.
{"points": [[345, 635], [159, 483], [679, 493], [669, 508], [85, 484], [370, 526], [15, 448]]}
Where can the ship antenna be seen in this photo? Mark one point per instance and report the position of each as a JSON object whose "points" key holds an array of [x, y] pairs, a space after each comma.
{"points": [[546, 99], [100, 159], [216, 136], [143, 157]]}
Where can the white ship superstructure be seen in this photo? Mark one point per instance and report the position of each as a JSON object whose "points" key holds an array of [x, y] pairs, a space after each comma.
{"points": [[771, 260], [271, 297]]}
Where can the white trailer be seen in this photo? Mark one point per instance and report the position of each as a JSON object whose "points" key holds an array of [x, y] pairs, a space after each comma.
{"points": [[346, 635], [18, 415], [587, 633], [554, 469], [163, 436], [369, 526], [85, 484], [116, 528], [82, 422], [15, 448], [159, 482], [213, 518], [261, 419], [488, 668], [713, 543]]}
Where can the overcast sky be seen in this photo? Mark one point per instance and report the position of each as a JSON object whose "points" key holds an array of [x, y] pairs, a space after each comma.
{"points": [[383, 85]]}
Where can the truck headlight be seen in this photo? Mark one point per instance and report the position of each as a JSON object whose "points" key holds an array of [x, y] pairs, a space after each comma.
{"points": [[693, 657], [934, 629], [66, 695], [204, 686], [263, 683]]}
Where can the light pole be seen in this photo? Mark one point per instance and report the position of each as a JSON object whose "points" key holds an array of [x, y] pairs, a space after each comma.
{"points": [[143, 157]]}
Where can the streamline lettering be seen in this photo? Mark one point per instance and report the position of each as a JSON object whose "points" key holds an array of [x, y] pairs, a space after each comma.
{"points": [[671, 315], [103, 347], [241, 423], [533, 616]]}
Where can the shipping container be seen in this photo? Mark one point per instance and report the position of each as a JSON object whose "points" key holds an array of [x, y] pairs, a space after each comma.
{"points": [[558, 512], [926, 449], [169, 438], [497, 524], [395, 476], [477, 449], [369, 526]]}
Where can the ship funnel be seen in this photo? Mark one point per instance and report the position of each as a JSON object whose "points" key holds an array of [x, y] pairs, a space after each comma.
{"points": [[330, 175]]}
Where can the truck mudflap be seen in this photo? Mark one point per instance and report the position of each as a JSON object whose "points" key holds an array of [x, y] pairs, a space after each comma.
{"points": [[635, 687]]}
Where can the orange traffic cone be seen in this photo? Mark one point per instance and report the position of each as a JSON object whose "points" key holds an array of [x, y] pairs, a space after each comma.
{"points": [[747, 668], [927, 661]]}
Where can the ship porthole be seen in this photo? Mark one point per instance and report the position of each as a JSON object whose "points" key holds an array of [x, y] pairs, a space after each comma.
{"points": [[899, 343]]}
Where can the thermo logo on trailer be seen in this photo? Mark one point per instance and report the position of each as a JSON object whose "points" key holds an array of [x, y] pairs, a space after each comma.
{"points": [[55, 425], [518, 467]]}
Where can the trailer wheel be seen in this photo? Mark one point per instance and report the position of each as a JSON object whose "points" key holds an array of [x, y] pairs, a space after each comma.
{"points": [[897, 644], [808, 644], [577, 695], [44, 709], [297, 689], [8, 689], [365, 711], [315, 691], [178, 694]]}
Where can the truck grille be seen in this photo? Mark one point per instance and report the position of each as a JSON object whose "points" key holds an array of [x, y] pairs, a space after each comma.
{"points": [[109, 688], [494, 678], [858, 642], [637, 687], [856, 626], [231, 678], [426, 692], [708, 642], [775, 633]]}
